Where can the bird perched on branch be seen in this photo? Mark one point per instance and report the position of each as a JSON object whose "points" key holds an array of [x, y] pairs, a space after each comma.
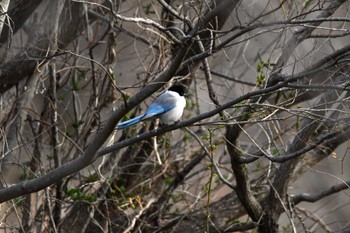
{"points": [[168, 107]]}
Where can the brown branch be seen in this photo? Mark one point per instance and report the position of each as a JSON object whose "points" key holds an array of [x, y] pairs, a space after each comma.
{"points": [[287, 169], [302, 34], [322, 194], [243, 191], [343, 230], [283, 158], [90, 154], [285, 172], [55, 142], [23, 63], [213, 19], [283, 175], [158, 207], [19, 11], [3, 9], [17, 126]]}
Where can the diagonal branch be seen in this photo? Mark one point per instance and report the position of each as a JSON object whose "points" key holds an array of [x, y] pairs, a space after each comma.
{"points": [[90, 154], [302, 34], [93, 152], [243, 190], [19, 11], [318, 196], [67, 28]]}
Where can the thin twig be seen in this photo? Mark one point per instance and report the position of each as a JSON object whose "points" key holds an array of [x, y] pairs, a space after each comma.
{"points": [[138, 215]]}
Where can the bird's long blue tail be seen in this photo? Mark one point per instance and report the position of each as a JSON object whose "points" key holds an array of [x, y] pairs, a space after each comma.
{"points": [[125, 124]]}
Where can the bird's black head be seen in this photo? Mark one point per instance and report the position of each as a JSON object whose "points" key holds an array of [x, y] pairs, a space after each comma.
{"points": [[179, 89]]}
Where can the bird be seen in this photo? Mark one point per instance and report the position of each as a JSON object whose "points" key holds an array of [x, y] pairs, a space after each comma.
{"points": [[168, 107]]}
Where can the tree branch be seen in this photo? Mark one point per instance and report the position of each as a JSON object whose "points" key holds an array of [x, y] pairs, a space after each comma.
{"points": [[23, 64], [19, 12], [243, 191], [93, 152], [90, 154], [318, 196]]}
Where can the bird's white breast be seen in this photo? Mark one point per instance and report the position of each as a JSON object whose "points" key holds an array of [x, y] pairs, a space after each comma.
{"points": [[174, 114]]}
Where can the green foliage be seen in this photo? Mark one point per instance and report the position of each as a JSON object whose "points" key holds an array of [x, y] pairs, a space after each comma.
{"points": [[24, 175], [234, 221], [186, 137], [91, 178], [75, 85], [174, 197], [164, 141], [190, 104], [262, 67], [61, 97], [278, 97], [112, 76], [218, 180], [206, 137], [128, 115], [117, 187], [307, 3], [19, 201], [287, 95], [261, 78], [77, 194], [213, 147], [126, 96], [274, 151], [246, 115], [287, 228], [148, 9], [169, 180], [80, 73], [243, 102], [77, 124]]}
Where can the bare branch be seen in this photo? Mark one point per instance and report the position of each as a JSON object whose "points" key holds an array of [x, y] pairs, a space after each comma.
{"points": [[23, 63], [90, 155], [318, 196]]}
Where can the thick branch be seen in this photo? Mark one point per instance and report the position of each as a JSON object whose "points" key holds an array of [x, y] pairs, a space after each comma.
{"points": [[318, 196], [302, 34], [3, 9], [243, 191], [19, 12], [285, 173], [90, 154], [17, 128], [24, 63]]}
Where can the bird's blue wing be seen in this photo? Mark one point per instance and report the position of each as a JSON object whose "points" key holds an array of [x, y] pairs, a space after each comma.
{"points": [[125, 124], [156, 109], [164, 103]]}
